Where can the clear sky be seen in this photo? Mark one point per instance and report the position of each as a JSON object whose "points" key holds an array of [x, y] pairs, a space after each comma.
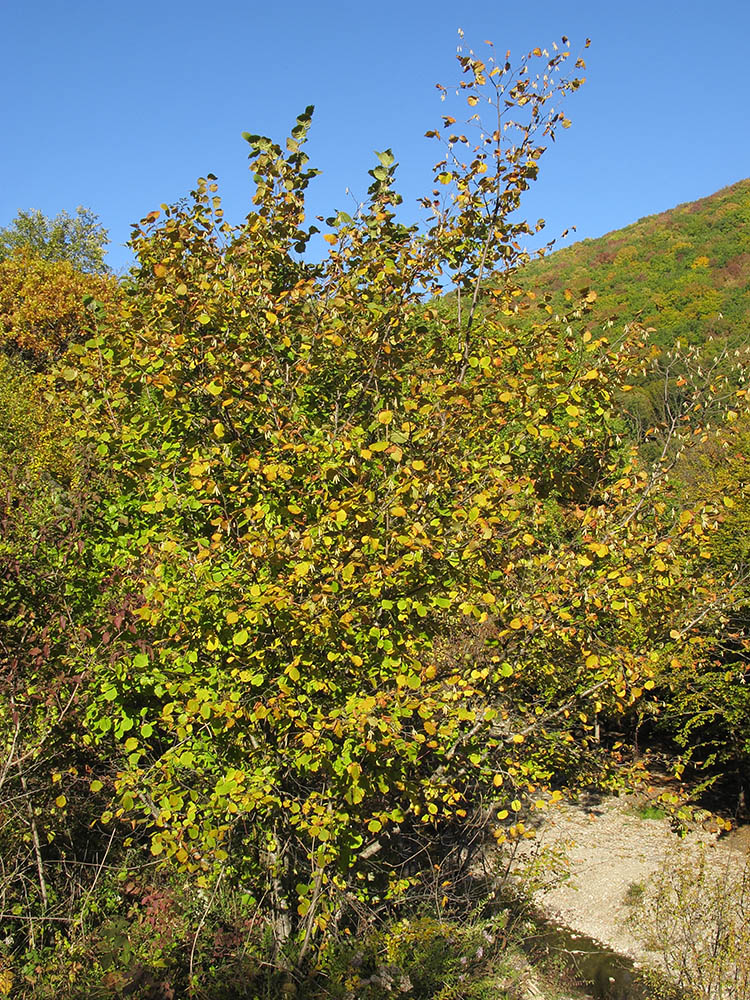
{"points": [[120, 106]]}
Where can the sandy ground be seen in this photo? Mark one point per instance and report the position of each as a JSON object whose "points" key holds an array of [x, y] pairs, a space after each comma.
{"points": [[610, 847]]}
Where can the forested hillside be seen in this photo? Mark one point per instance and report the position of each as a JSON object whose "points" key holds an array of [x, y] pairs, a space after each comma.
{"points": [[684, 272], [316, 590]]}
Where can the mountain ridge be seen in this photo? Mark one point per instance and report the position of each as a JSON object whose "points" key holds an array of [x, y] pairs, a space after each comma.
{"points": [[685, 271]]}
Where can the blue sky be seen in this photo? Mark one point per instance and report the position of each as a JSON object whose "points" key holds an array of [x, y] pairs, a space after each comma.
{"points": [[120, 107]]}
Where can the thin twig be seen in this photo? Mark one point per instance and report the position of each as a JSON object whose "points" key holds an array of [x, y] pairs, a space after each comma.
{"points": [[35, 840], [202, 921]]}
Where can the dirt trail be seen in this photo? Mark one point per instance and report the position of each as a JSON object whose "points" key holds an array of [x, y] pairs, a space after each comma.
{"points": [[610, 848]]}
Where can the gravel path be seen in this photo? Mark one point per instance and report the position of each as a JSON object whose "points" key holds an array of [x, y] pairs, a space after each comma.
{"points": [[610, 847]]}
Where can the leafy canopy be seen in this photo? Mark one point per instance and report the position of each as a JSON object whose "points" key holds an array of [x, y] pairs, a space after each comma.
{"points": [[79, 239], [45, 304]]}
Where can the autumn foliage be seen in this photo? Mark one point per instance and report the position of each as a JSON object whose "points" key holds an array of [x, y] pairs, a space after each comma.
{"points": [[347, 582], [42, 304]]}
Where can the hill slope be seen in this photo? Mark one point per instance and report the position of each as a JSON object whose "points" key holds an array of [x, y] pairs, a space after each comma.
{"points": [[685, 272]]}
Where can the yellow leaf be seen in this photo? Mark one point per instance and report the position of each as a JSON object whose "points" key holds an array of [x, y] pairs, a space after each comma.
{"points": [[385, 416], [515, 623], [6, 981], [592, 660], [330, 238], [159, 270], [398, 511]]}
